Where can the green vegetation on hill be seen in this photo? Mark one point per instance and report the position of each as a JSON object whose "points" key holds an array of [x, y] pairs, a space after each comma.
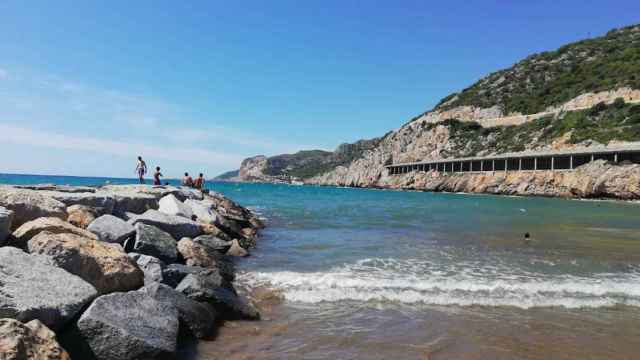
{"points": [[228, 175], [554, 77], [602, 123]]}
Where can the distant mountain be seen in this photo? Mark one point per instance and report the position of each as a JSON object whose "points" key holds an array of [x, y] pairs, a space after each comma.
{"points": [[228, 176]]}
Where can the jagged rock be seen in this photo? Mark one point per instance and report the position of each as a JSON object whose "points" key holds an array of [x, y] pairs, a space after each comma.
{"points": [[173, 274], [210, 287], [111, 229], [172, 206], [105, 266], [213, 243], [199, 319], [128, 326], [6, 217], [81, 215], [197, 254], [237, 250], [28, 205], [31, 287], [51, 225], [151, 266], [96, 200], [210, 229], [203, 210], [150, 240], [177, 226], [33, 341]]}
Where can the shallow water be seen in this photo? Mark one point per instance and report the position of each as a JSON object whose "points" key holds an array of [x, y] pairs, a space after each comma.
{"points": [[370, 274]]}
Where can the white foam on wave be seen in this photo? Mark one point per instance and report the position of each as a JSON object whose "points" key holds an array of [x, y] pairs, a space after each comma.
{"points": [[374, 280]]}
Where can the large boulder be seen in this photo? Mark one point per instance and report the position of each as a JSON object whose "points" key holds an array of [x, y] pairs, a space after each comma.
{"points": [[96, 199], [198, 319], [177, 226], [51, 225], [203, 210], [31, 287], [33, 341], [151, 266], [81, 215], [111, 229], [211, 229], [210, 287], [213, 243], [130, 326], [105, 266], [197, 254], [6, 218], [172, 206], [173, 274], [28, 205], [152, 241]]}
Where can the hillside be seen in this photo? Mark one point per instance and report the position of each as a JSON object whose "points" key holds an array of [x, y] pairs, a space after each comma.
{"points": [[583, 94], [303, 164]]}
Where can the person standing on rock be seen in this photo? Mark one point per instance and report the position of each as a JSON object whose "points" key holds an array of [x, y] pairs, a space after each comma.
{"points": [[141, 169], [156, 176], [199, 183], [187, 180]]}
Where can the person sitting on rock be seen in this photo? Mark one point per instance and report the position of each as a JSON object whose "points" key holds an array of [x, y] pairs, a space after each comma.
{"points": [[156, 176], [199, 182], [187, 180]]}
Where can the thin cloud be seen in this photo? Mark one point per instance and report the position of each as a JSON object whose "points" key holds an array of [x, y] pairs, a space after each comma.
{"points": [[33, 137], [3, 73]]}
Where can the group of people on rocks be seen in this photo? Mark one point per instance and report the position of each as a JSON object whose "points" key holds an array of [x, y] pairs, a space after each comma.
{"points": [[141, 170]]}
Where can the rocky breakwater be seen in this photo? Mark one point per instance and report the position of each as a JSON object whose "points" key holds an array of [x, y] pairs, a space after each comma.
{"points": [[117, 272]]}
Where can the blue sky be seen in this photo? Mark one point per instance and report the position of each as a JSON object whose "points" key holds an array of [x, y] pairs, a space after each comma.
{"points": [[198, 85]]}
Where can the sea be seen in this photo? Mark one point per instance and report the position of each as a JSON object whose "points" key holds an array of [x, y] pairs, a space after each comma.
{"points": [[380, 274]]}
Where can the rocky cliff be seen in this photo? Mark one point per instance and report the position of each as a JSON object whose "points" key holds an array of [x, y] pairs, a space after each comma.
{"points": [[581, 95]]}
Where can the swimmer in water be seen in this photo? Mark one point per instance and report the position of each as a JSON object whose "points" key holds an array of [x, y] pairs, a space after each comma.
{"points": [[527, 237]]}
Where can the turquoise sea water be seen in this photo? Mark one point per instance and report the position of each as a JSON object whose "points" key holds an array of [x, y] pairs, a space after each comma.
{"points": [[371, 274]]}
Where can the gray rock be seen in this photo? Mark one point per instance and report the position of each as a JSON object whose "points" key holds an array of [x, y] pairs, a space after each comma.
{"points": [[213, 243], [197, 318], [61, 188], [111, 229], [203, 210], [172, 206], [28, 205], [151, 266], [210, 287], [6, 218], [173, 274], [31, 287], [177, 226], [98, 200], [128, 326], [150, 240]]}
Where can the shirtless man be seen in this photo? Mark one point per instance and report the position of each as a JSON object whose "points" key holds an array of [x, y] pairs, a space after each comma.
{"points": [[199, 183], [187, 180], [156, 176], [141, 169]]}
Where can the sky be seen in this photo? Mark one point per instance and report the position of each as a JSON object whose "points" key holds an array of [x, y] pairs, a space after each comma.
{"points": [[86, 86]]}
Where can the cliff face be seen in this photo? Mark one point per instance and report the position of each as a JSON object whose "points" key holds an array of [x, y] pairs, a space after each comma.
{"points": [[581, 95]]}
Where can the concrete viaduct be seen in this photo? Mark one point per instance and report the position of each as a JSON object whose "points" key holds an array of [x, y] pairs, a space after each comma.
{"points": [[526, 161]]}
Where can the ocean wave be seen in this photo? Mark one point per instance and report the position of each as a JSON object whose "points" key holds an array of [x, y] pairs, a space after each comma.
{"points": [[376, 280]]}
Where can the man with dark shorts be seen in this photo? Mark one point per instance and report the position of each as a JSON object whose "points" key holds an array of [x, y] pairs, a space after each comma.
{"points": [[156, 176], [141, 169], [199, 183]]}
